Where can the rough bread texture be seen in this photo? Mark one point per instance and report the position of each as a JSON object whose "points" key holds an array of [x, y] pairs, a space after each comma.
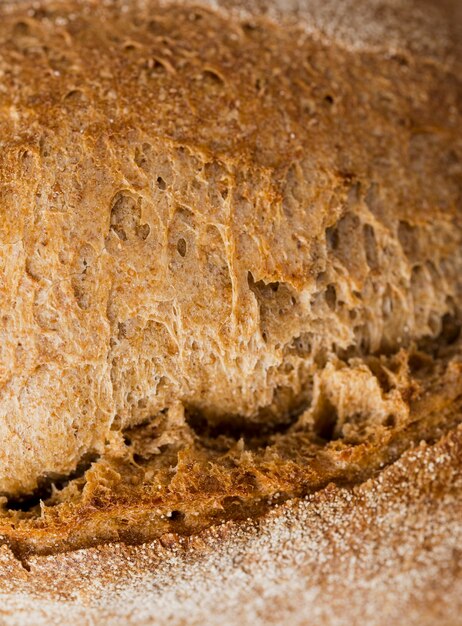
{"points": [[377, 554], [207, 208], [231, 289]]}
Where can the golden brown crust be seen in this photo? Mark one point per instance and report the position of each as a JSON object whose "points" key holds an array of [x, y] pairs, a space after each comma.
{"points": [[203, 209], [231, 269], [386, 548]]}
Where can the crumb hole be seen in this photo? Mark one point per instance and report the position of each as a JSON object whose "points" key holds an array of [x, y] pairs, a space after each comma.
{"points": [[75, 95], [181, 247], [21, 29], [326, 421], [390, 421], [129, 47], [157, 66], [142, 231], [249, 28], [450, 329], [125, 215], [331, 297], [212, 78], [418, 361], [332, 237], [155, 27], [400, 59], [408, 238], [370, 245]]}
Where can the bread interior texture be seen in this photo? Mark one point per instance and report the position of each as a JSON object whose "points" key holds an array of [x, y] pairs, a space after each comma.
{"points": [[232, 274]]}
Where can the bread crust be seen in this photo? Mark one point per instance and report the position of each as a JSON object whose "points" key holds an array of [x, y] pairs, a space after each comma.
{"points": [[352, 147], [373, 553], [181, 224]]}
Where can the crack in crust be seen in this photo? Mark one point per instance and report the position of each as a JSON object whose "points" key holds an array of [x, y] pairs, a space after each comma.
{"points": [[401, 530], [180, 475]]}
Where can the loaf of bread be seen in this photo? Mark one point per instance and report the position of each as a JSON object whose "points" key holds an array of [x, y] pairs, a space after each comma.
{"points": [[230, 260]]}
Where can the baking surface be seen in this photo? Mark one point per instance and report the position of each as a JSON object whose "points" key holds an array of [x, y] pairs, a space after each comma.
{"points": [[386, 549]]}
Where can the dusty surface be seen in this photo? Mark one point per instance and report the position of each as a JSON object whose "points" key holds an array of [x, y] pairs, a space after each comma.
{"points": [[386, 549]]}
